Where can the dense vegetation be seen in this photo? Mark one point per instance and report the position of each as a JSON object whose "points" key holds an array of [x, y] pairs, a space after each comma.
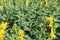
{"points": [[29, 19]]}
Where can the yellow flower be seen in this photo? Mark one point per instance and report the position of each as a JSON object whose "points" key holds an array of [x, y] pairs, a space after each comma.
{"points": [[2, 31], [27, 1], [21, 34], [50, 20], [4, 25], [45, 2], [1, 7], [50, 25], [1, 37], [21, 38], [2, 34], [52, 35]]}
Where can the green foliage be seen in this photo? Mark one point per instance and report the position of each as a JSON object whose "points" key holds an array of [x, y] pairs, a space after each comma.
{"points": [[30, 19]]}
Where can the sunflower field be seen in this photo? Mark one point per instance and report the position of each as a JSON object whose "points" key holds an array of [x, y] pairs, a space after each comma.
{"points": [[29, 19]]}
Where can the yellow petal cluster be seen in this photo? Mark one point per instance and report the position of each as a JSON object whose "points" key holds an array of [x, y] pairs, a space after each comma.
{"points": [[2, 33], [52, 35], [21, 34], [50, 20], [3, 26], [27, 1]]}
